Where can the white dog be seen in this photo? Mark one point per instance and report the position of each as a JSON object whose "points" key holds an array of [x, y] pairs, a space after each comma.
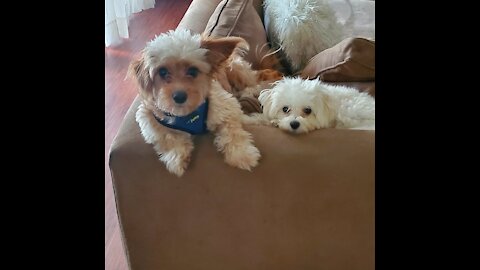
{"points": [[299, 106]]}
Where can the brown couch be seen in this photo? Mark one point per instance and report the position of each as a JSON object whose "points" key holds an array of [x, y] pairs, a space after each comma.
{"points": [[308, 205]]}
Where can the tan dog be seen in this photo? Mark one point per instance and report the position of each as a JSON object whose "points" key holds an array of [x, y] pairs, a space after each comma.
{"points": [[178, 77]]}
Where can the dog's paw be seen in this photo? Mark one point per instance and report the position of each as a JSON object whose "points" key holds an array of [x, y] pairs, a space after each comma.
{"points": [[275, 123], [175, 163], [243, 156]]}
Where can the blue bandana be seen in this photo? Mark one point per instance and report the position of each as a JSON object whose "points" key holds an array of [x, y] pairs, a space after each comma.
{"points": [[194, 123]]}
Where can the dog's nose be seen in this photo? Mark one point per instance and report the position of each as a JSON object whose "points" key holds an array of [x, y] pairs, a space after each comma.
{"points": [[179, 96], [294, 124]]}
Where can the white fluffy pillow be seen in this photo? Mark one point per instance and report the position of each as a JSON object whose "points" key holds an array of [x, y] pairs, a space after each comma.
{"points": [[301, 28]]}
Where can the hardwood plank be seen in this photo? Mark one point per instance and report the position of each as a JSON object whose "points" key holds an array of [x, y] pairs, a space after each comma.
{"points": [[114, 252]]}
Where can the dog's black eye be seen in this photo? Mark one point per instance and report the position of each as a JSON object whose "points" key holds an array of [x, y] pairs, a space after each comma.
{"points": [[192, 72], [307, 110], [163, 72], [285, 109]]}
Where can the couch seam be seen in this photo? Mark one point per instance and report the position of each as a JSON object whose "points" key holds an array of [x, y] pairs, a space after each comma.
{"points": [[242, 8], [218, 18], [341, 63]]}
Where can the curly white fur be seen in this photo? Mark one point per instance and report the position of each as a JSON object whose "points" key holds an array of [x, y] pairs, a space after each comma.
{"points": [[302, 28], [224, 117], [328, 106]]}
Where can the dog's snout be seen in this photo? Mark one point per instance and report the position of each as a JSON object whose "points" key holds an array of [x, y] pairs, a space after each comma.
{"points": [[179, 96], [294, 124]]}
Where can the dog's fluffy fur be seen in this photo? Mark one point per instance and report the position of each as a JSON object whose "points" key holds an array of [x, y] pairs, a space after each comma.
{"points": [[302, 28], [239, 79], [176, 54], [299, 106]]}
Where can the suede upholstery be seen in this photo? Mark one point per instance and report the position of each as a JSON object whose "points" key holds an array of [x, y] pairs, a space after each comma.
{"points": [[351, 60]]}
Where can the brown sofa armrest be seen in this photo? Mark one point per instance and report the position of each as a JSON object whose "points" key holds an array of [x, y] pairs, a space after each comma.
{"points": [[308, 205]]}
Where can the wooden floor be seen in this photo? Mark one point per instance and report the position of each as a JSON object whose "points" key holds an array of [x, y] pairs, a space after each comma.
{"points": [[119, 94]]}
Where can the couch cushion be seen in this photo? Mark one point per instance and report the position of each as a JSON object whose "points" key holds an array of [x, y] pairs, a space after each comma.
{"points": [[197, 15], [240, 18], [310, 204], [258, 5], [351, 60], [250, 104]]}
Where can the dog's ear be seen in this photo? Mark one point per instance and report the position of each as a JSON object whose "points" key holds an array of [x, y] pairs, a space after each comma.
{"points": [[326, 114], [138, 70], [220, 49], [265, 99]]}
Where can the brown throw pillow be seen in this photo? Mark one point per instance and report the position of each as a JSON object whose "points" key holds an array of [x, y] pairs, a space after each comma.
{"points": [[240, 18], [352, 60], [250, 105]]}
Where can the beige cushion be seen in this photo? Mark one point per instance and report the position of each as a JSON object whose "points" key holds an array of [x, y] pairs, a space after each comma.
{"points": [[197, 15], [352, 60], [240, 18], [310, 203], [258, 5]]}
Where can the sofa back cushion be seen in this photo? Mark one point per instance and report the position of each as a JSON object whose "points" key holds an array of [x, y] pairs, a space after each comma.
{"points": [[240, 18], [197, 15]]}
